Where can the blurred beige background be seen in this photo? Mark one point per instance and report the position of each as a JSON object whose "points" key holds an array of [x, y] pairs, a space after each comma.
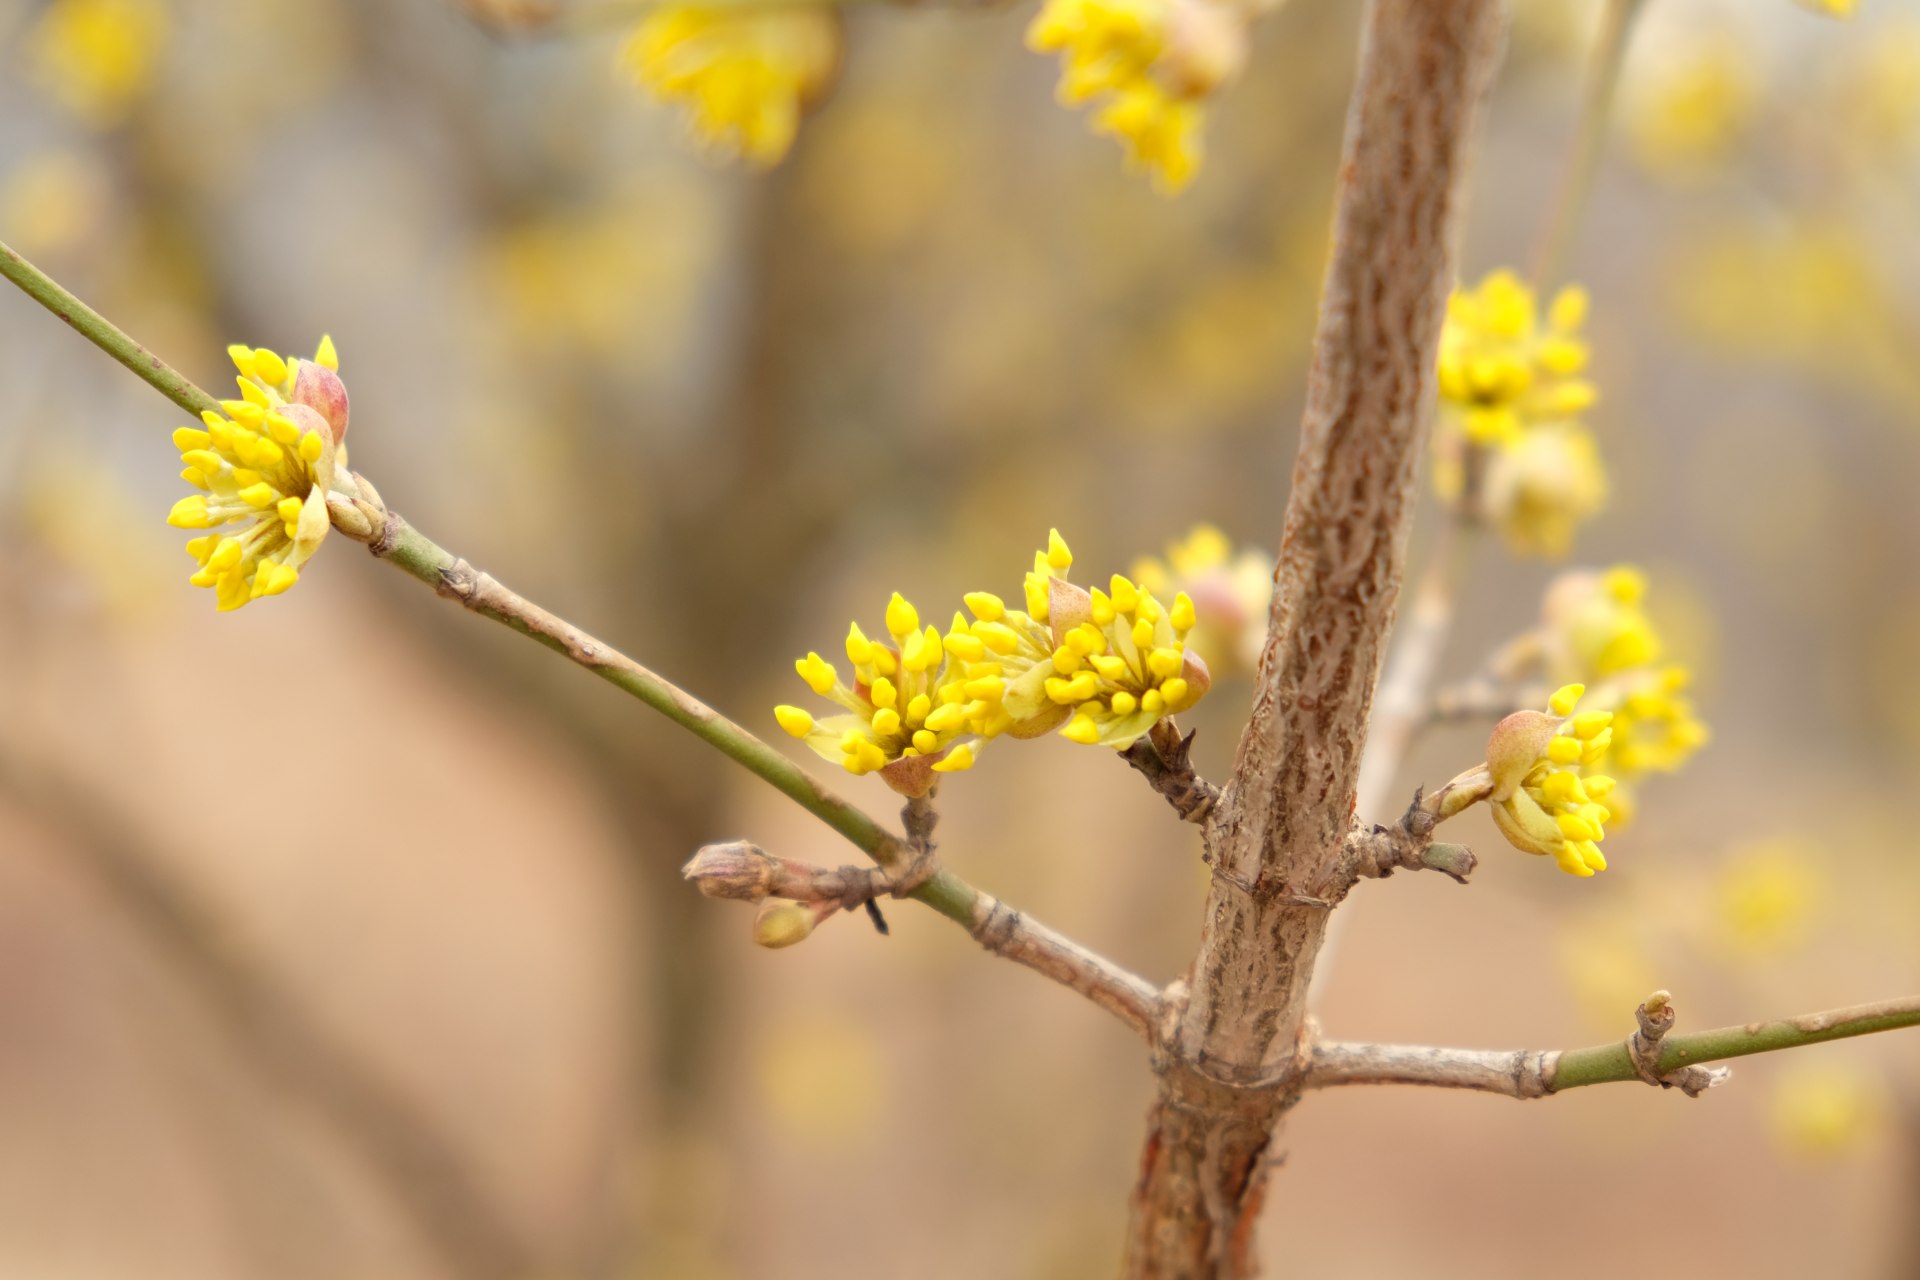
{"points": [[342, 937]]}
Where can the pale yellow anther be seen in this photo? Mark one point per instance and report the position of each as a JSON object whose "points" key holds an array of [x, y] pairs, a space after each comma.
{"points": [[903, 619], [1081, 729], [280, 427], [918, 706], [1125, 596], [882, 693], [1037, 601], [311, 447], [202, 547], [1565, 697], [926, 741], [985, 605], [272, 579], [269, 367], [197, 478], [817, 672], [187, 439], [1182, 615], [957, 760], [1165, 662], [1086, 640], [1066, 661], [243, 477], [225, 555], [967, 648], [1059, 558], [261, 496], [1110, 666], [986, 689], [859, 648], [1589, 723], [290, 509], [242, 357], [1563, 750], [795, 720], [1102, 607], [1153, 702], [325, 355], [884, 661], [1175, 692], [943, 719], [189, 513], [1143, 635], [1082, 687], [997, 637], [1059, 690], [886, 722], [252, 393], [205, 459], [1124, 703]]}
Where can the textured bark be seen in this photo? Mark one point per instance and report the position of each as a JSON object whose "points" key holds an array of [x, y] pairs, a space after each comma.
{"points": [[1229, 1058]]}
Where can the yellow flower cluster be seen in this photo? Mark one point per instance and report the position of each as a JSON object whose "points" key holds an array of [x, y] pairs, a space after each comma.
{"points": [[1231, 594], [1514, 388], [746, 73], [266, 463], [1540, 800], [1153, 63], [1598, 631], [1100, 666], [98, 57]]}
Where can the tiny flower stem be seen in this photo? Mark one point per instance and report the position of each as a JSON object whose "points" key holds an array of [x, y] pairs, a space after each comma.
{"points": [[104, 334], [1590, 140]]}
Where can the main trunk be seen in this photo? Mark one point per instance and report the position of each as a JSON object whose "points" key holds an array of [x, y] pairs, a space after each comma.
{"points": [[1227, 1063]]}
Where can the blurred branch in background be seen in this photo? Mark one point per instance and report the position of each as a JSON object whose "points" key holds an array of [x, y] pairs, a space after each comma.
{"points": [[422, 1173]]}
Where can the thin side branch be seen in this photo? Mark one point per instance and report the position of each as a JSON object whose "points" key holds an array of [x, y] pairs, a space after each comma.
{"points": [[1535, 1073], [1583, 162], [1164, 759], [996, 926]]}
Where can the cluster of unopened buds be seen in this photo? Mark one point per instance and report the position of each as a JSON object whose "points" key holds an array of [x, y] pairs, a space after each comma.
{"points": [[1101, 666], [1512, 391]]}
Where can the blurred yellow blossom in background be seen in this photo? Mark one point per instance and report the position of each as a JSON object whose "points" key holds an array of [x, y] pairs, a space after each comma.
{"points": [[1231, 593], [54, 201], [1824, 1108], [1765, 898], [98, 57], [1688, 108], [745, 74], [1154, 63]]}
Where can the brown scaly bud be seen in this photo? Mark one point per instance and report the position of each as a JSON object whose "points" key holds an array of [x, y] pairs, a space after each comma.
{"points": [[736, 870]]}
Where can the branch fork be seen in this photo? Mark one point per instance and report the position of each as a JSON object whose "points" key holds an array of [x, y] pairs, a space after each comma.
{"points": [[1377, 852], [1656, 1016]]}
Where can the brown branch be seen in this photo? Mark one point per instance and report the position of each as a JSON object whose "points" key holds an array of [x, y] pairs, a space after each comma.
{"points": [[746, 872], [1228, 1061], [1408, 845], [1164, 759]]}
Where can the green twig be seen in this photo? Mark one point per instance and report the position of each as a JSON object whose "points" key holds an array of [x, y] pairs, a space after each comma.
{"points": [[104, 334], [994, 925], [1533, 1073], [1604, 1064]]}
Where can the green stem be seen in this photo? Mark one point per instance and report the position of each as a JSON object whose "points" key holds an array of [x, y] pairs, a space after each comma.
{"points": [[1576, 181], [1000, 929], [104, 334], [1607, 1063]]}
